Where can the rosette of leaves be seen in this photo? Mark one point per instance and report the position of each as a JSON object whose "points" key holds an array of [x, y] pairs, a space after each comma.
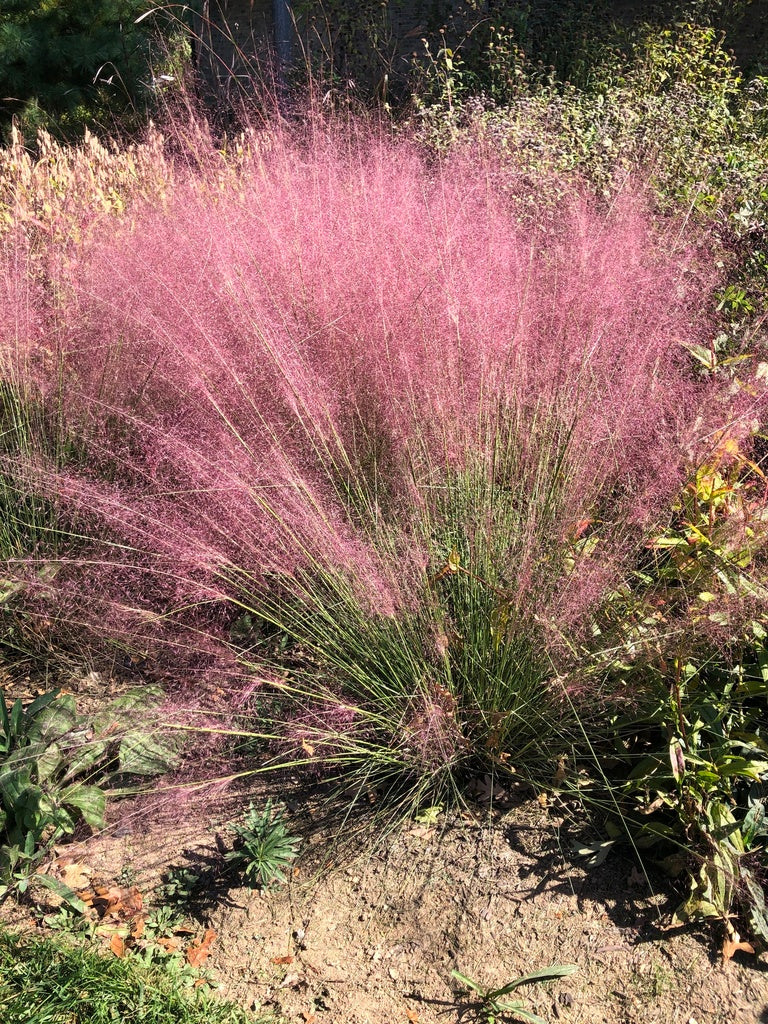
{"points": [[264, 849], [56, 764]]}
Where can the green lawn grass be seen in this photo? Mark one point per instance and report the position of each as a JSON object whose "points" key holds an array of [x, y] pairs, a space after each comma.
{"points": [[47, 981]]}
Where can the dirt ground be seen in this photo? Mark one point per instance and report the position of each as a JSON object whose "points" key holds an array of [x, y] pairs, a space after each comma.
{"points": [[373, 937], [362, 936]]}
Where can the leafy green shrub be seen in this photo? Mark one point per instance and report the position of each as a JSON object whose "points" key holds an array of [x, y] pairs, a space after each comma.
{"points": [[692, 766], [264, 849], [702, 795], [675, 104], [56, 764]]}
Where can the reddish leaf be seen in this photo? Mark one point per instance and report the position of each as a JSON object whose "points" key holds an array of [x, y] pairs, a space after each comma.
{"points": [[131, 903], [282, 959], [730, 947], [199, 950], [117, 945], [170, 945]]}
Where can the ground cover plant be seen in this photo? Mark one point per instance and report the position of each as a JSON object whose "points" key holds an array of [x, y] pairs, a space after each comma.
{"points": [[44, 980], [57, 766]]}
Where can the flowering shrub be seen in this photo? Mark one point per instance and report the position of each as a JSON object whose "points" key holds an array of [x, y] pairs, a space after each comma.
{"points": [[439, 468], [362, 400]]}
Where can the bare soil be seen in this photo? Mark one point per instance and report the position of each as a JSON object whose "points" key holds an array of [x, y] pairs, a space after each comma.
{"points": [[373, 938], [370, 936]]}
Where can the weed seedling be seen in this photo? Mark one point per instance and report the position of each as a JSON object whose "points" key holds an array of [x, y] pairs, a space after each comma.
{"points": [[263, 848], [491, 1005]]}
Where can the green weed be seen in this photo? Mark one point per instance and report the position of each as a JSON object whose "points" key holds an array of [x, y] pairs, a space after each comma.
{"points": [[264, 849]]}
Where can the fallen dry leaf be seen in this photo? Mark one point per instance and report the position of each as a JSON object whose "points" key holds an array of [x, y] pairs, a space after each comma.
{"points": [[485, 790], [730, 947], [421, 832], [199, 950], [170, 945], [636, 877], [562, 764], [117, 945], [413, 1017], [111, 900], [282, 959], [290, 981], [77, 876], [103, 897], [131, 903], [137, 929]]}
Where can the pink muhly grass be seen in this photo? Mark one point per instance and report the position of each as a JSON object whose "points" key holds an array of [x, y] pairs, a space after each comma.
{"points": [[301, 391]]}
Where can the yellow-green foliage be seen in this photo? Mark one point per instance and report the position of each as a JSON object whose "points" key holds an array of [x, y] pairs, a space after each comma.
{"points": [[53, 192]]}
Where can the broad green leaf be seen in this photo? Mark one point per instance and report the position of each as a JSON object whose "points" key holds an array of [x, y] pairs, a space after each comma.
{"points": [[55, 720], [544, 974], [142, 753], [48, 762], [741, 766], [5, 725], [14, 731], [13, 784], [41, 702], [753, 823], [84, 758], [467, 982], [68, 895], [758, 916], [695, 908], [137, 699], [89, 800]]}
